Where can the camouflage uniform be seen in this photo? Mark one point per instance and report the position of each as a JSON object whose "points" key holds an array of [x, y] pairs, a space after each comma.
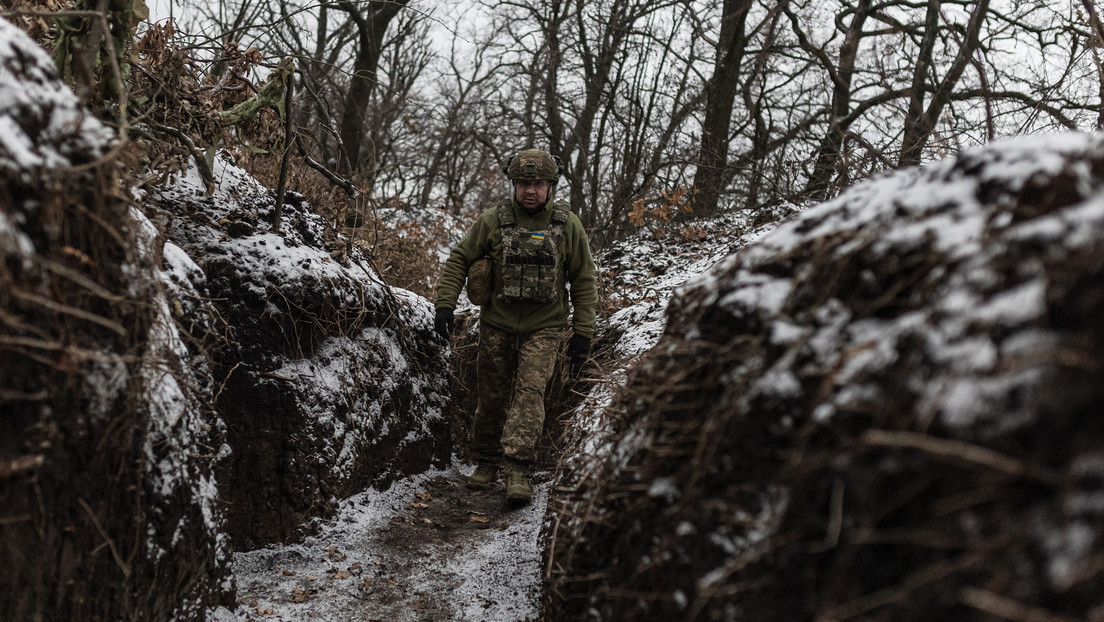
{"points": [[509, 417]]}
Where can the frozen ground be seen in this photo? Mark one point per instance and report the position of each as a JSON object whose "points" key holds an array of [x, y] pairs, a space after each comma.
{"points": [[427, 548]]}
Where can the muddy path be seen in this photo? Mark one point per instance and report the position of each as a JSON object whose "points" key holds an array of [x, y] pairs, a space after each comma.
{"points": [[428, 548]]}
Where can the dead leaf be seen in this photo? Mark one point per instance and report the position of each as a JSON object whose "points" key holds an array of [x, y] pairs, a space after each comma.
{"points": [[288, 573], [424, 495], [427, 521], [479, 519], [367, 581], [415, 504], [341, 574], [311, 577], [298, 596]]}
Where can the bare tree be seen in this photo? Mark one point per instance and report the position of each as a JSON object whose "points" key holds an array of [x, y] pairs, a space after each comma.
{"points": [[720, 98], [453, 132], [920, 120], [650, 104], [826, 160], [573, 63], [371, 24]]}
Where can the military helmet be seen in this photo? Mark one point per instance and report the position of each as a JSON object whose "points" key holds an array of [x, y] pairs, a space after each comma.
{"points": [[533, 164]]}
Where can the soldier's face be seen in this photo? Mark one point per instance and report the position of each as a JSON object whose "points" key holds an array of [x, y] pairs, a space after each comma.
{"points": [[531, 193]]}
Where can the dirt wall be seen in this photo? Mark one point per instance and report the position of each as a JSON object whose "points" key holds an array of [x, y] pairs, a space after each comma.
{"points": [[887, 409]]}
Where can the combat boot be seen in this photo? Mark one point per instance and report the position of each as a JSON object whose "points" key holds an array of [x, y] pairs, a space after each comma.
{"points": [[518, 491], [483, 476]]}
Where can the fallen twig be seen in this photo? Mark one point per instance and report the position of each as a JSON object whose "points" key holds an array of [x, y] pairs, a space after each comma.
{"points": [[20, 465], [222, 386], [896, 593], [952, 449], [333, 177], [1006, 608], [57, 307], [107, 539]]}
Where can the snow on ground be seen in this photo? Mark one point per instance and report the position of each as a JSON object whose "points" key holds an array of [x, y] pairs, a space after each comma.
{"points": [[178, 437], [644, 273], [424, 549], [56, 209], [942, 210], [338, 371]]}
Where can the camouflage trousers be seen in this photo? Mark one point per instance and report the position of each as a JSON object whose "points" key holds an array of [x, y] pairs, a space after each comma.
{"points": [[513, 373]]}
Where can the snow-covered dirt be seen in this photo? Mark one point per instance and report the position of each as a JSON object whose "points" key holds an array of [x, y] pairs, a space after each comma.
{"points": [[886, 409], [427, 548]]}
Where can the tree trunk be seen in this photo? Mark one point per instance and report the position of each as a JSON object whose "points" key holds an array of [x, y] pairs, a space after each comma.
{"points": [[828, 152], [371, 27], [598, 64], [920, 121], [914, 118], [551, 81], [710, 177], [1096, 41]]}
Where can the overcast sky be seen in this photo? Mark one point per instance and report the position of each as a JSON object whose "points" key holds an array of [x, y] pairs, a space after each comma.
{"points": [[159, 9]]}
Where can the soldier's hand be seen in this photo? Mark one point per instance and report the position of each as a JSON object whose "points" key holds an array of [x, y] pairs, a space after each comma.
{"points": [[578, 350], [443, 322]]}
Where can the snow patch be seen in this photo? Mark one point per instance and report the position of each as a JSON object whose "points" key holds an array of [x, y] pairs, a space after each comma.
{"points": [[43, 125]]}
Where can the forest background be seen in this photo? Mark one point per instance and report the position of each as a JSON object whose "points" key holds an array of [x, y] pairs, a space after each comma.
{"points": [[656, 106]]}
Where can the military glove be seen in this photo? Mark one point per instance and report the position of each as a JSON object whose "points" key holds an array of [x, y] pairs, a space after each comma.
{"points": [[578, 349], [443, 322]]}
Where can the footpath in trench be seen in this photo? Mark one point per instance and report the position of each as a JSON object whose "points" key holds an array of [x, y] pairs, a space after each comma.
{"points": [[428, 548]]}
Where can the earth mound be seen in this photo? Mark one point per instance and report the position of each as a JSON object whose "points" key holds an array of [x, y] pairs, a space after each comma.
{"points": [[102, 475], [888, 408], [179, 378], [327, 380]]}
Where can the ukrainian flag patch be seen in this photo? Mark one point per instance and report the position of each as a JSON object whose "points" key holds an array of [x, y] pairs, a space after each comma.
{"points": [[536, 236]]}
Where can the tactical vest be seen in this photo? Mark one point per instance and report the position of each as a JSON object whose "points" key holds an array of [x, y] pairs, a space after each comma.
{"points": [[532, 265]]}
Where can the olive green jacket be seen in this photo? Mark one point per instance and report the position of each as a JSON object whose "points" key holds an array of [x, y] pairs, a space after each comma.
{"points": [[523, 318]]}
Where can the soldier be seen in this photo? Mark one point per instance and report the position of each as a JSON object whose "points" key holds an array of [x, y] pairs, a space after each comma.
{"points": [[537, 247]]}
